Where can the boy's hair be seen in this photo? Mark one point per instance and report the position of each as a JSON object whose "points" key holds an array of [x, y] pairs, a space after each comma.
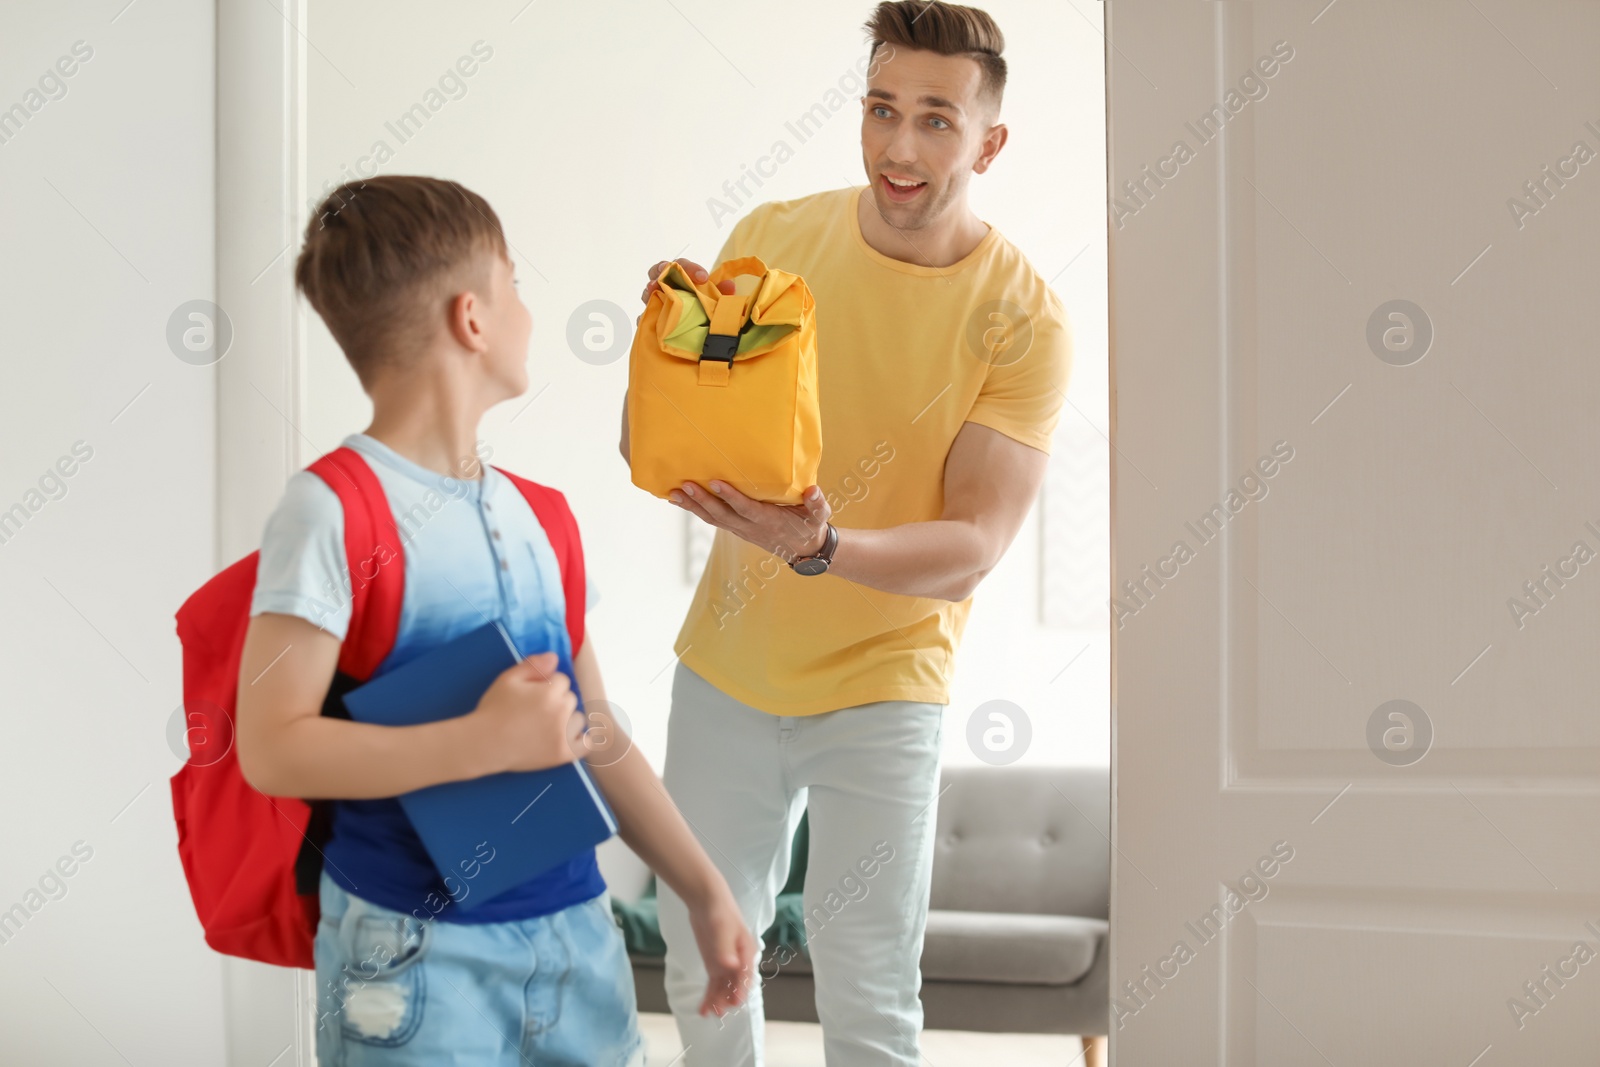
{"points": [[949, 30], [381, 256]]}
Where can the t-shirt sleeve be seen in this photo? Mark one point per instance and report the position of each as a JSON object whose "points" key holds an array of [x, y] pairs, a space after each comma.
{"points": [[302, 569], [1022, 395]]}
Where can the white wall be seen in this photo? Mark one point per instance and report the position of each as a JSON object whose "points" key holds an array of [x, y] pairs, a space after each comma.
{"points": [[599, 140], [107, 227]]}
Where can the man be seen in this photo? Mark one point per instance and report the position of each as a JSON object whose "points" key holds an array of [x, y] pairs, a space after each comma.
{"points": [[943, 360]]}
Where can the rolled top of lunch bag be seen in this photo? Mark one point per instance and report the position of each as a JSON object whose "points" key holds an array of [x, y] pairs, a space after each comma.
{"points": [[776, 310]]}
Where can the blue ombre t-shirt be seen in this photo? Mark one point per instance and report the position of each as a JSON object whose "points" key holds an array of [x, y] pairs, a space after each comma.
{"points": [[474, 552]]}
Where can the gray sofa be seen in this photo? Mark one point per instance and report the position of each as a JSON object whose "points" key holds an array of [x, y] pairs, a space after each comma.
{"points": [[1017, 921]]}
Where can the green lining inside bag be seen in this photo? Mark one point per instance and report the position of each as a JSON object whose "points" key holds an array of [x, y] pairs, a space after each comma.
{"points": [[689, 333]]}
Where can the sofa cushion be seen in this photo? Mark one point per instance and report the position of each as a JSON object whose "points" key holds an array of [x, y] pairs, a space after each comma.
{"points": [[1030, 840], [1016, 949]]}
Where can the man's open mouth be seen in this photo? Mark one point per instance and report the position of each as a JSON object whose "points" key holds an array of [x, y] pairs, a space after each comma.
{"points": [[900, 189]]}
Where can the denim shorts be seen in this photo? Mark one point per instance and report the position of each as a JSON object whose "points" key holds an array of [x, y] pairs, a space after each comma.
{"points": [[395, 990]]}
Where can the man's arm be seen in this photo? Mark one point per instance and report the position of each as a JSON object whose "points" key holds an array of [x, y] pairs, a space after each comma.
{"points": [[990, 482]]}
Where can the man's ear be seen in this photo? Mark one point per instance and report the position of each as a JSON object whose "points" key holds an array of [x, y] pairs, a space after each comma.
{"points": [[466, 321], [993, 141]]}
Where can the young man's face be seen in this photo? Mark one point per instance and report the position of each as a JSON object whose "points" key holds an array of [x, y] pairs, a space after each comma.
{"points": [[922, 121], [510, 325]]}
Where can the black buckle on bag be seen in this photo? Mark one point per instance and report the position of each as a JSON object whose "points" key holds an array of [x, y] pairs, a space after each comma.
{"points": [[720, 346]]}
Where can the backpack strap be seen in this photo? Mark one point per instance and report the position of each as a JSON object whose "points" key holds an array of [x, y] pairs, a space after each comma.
{"points": [[376, 562], [375, 559], [550, 508]]}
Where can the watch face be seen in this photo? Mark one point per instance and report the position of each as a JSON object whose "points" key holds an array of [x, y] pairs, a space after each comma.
{"points": [[810, 566]]}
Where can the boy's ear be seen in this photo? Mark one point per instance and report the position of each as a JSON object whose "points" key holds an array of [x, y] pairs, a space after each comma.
{"points": [[466, 321]]}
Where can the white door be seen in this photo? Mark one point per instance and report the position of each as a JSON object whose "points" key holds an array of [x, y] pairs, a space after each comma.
{"points": [[1355, 489]]}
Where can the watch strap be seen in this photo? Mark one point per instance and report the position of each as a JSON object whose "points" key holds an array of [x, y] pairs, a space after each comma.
{"points": [[830, 542]]}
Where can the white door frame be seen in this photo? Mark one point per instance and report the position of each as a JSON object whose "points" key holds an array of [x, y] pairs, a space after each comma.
{"points": [[260, 107]]}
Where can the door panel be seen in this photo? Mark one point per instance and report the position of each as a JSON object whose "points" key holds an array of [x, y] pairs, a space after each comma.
{"points": [[1354, 391]]}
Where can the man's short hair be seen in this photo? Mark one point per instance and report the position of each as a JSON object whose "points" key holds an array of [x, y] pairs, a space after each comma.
{"points": [[383, 256], [949, 30]]}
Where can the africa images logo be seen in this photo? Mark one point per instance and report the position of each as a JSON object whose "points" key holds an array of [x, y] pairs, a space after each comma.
{"points": [[1252, 488]]}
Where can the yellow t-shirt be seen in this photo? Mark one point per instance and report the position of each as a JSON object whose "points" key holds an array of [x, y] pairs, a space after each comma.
{"points": [[906, 353]]}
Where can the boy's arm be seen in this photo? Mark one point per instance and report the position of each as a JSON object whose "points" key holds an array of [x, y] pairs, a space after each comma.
{"points": [[288, 748], [650, 823], [647, 819]]}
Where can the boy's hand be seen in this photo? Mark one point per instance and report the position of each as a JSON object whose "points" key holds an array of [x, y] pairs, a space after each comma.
{"points": [[528, 719], [728, 949], [695, 271]]}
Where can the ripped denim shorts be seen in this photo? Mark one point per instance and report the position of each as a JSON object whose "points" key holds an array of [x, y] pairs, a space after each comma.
{"points": [[394, 990]]}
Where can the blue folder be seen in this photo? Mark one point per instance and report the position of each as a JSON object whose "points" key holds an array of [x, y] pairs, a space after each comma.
{"points": [[533, 820]]}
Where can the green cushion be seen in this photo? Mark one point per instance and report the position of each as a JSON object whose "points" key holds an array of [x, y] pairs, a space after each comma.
{"points": [[641, 924]]}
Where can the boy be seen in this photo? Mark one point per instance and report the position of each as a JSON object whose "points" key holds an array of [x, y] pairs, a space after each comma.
{"points": [[413, 279]]}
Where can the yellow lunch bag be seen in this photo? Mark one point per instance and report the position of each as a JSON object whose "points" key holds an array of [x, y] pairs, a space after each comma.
{"points": [[724, 385]]}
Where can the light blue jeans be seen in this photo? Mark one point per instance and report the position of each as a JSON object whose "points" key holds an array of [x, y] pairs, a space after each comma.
{"points": [[394, 990], [869, 776]]}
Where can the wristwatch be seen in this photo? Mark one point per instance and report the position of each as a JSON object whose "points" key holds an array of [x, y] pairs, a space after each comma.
{"points": [[818, 563]]}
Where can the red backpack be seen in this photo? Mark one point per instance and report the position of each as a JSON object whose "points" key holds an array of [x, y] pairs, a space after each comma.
{"points": [[253, 861]]}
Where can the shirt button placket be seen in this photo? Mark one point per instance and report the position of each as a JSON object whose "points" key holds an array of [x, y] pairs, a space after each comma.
{"points": [[495, 551]]}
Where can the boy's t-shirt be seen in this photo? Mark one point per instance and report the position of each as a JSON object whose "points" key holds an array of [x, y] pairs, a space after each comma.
{"points": [[474, 552], [907, 354]]}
